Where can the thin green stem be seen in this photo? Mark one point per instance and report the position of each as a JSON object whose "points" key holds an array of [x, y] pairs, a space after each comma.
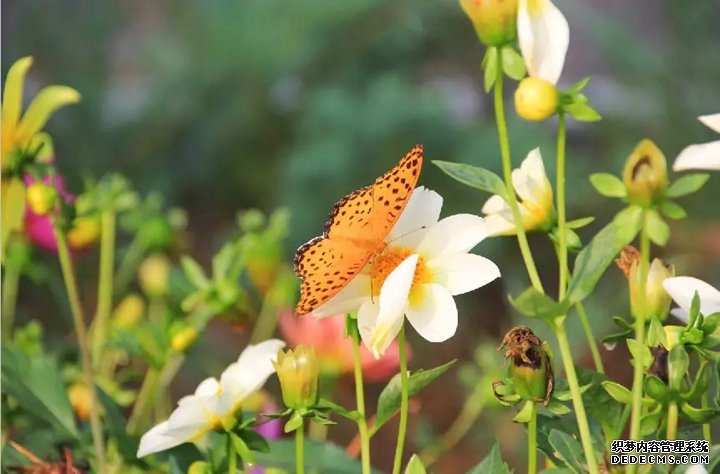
{"points": [[299, 449], [705, 403], [587, 329], [105, 285], [578, 404], [10, 282], [404, 395], [360, 402], [82, 338], [562, 217], [232, 456], [129, 263], [532, 441], [144, 402], [507, 174], [672, 420], [638, 372]]}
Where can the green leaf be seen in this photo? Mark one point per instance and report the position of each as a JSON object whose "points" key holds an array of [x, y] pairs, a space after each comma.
{"points": [[535, 304], [641, 353], [254, 441], [319, 457], [513, 63], [295, 422], [649, 422], [525, 413], [473, 176], [658, 230], [619, 392], [687, 184], [656, 334], [242, 449], [579, 223], [701, 384], [592, 261], [698, 415], [582, 112], [678, 365], [324, 404], [558, 408], [489, 65], [115, 423], [608, 185], [194, 272], [492, 464], [389, 400], [38, 387], [569, 450], [623, 323], [578, 86], [415, 466], [656, 388], [673, 210]]}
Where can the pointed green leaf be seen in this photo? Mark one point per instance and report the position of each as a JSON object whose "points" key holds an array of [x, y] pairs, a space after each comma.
{"points": [[568, 449], [492, 464], [582, 112], [535, 304], [473, 176], [295, 422], [608, 185], [513, 63], [641, 353], [415, 466], [579, 223], [687, 184], [673, 210], [489, 66], [657, 229], [194, 272], [619, 392]]}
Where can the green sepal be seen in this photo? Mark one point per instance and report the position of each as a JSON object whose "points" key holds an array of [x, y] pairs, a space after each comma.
{"points": [[656, 389], [525, 413], [697, 415]]}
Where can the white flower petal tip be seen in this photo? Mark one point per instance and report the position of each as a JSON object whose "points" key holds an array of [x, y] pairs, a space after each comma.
{"points": [[454, 234], [463, 273], [544, 35], [704, 156], [156, 440], [682, 290], [711, 121]]}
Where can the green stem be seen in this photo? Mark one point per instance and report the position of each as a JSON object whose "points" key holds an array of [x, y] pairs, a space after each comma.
{"points": [[578, 404], [144, 402], [532, 441], [299, 449], [232, 456], [672, 421], [638, 373], [704, 403], [105, 285], [402, 429], [587, 329], [129, 264], [360, 401], [507, 174], [562, 218], [10, 282], [85, 358]]}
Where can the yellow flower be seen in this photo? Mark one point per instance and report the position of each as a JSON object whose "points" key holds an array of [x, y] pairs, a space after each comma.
{"points": [[85, 231], [41, 198], [298, 372], [79, 396], [535, 99], [494, 20]]}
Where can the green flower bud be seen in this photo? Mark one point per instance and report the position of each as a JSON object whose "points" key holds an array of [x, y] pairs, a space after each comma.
{"points": [[183, 339], [535, 99], [530, 368], [656, 301], [128, 312], [298, 372], [645, 174], [153, 275], [495, 21]]}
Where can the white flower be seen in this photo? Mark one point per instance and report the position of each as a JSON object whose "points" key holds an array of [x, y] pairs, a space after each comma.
{"points": [[696, 469], [682, 290], [424, 264], [705, 156], [536, 208], [213, 401], [543, 34]]}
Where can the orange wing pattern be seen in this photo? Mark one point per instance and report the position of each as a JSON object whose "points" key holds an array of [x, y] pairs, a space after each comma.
{"points": [[355, 231]]}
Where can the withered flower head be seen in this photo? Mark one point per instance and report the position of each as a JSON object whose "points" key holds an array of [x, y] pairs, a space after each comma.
{"points": [[629, 257], [530, 370]]}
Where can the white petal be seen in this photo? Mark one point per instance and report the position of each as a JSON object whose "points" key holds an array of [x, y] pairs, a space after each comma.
{"points": [[251, 370], [463, 272], [711, 121], [543, 34], [193, 415], [377, 338], [454, 234], [530, 176], [682, 289], [348, 300], [157, 439], [705, 156], [434, 314], [208, 387], [696, 469], [497, 225], [495, 204], [367, 318], [680, 314], [421, 212]]}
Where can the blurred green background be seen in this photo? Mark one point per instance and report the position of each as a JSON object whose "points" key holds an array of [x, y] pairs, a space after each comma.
{"points": [[227, 105]]}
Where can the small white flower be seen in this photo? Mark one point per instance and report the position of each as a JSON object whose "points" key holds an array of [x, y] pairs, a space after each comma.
{"points": [[213, 401], [424, 264], [696, 469], [704, 156], [536, 208], [682, 290], [543, 34]]}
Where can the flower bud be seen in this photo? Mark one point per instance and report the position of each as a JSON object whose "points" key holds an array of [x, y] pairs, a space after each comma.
{"points": [[495, 21], [79, 396], [530, 369], [645, 174], [298, 372], [535, 99], [129, 312], [199, 467], [672, 335], [656, 301], [85, 231], [153, 275], [183, 339], [41, 198]]}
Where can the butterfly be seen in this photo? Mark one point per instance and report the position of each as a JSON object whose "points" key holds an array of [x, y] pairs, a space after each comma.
{"points": [[354, 233]]}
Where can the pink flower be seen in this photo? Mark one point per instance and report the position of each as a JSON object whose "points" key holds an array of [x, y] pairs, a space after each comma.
{"points": [[334, 350]]}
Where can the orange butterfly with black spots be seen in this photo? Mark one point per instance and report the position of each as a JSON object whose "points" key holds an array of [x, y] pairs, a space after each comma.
{"points": [[354, 233]]}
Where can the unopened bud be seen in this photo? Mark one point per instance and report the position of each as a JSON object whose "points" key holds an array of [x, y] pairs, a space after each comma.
{"points": [[495, 21], [85, 231], [536, 99], [79, 397], [530, 369], [298, 372], [645, 174], [199, 467], [41, 198], [655, 301], [128, 312], [183, 339], [153, 275]]}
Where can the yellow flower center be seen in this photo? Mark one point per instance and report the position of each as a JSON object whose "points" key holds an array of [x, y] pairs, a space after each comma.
{"points": [[387, 261]]}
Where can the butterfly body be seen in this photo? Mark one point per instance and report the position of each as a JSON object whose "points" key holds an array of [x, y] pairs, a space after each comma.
{"points": [[354, 233]]}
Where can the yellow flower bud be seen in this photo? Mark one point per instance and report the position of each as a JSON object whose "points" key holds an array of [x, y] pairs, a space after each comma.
{"points": [[656, 301], [298, 372], [153, 275], [530, 368], [41, 198], [183, 339], [79, 396], [494, 20], [672, 335], [129, 312], [535, 99], [199, 467], [645, 174], [85, 231]]}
